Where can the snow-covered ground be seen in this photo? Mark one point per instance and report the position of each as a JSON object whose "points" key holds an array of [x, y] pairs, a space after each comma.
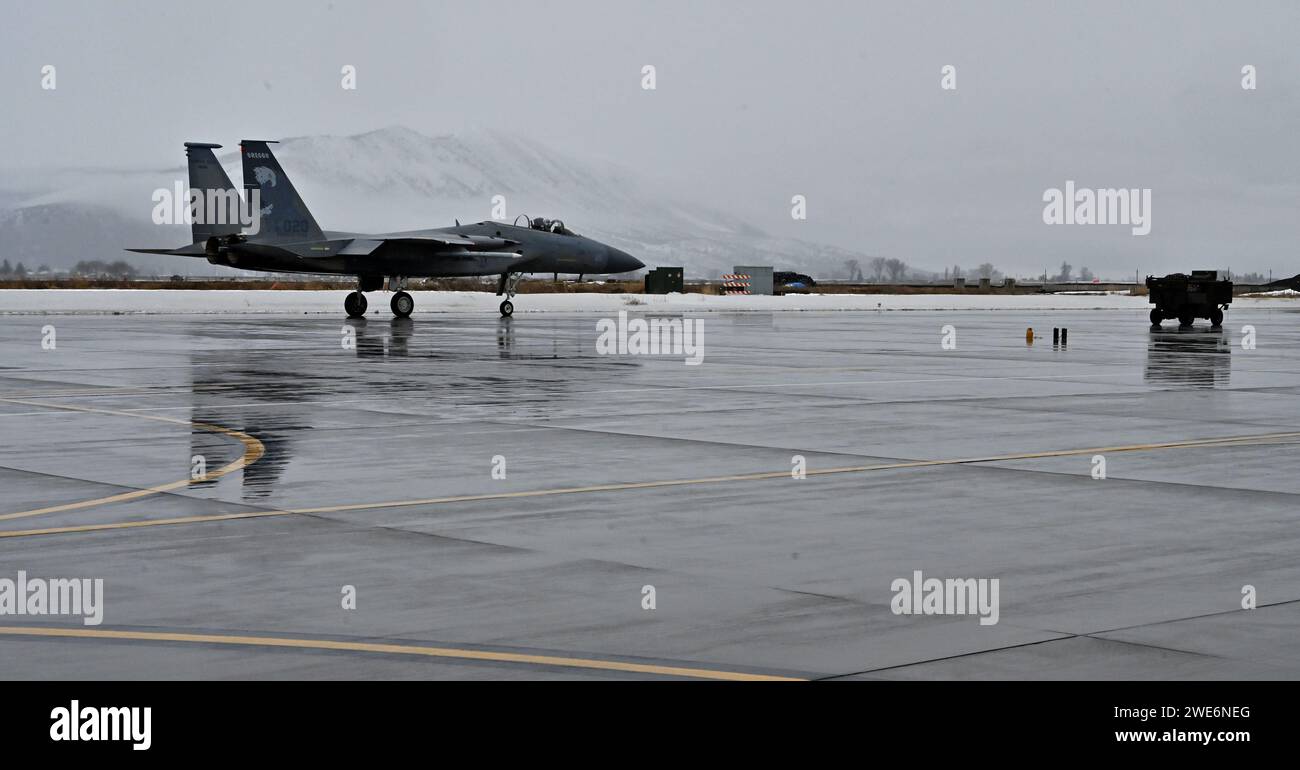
{"points": [[117, 301]]}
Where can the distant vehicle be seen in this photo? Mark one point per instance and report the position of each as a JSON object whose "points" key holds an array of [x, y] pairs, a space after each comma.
{"points": [[289, 240], [788, 280], [1203, 294]]}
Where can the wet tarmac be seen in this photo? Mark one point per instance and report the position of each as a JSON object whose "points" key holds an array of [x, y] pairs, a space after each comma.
{"points": [[369, 455]]}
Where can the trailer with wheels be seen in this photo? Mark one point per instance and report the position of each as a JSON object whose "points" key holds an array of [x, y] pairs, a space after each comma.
{"points": [[1203, 294]]}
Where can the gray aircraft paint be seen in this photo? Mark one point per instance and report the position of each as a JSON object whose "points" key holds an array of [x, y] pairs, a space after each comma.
{"points": [[285, 218], [206, 174]]}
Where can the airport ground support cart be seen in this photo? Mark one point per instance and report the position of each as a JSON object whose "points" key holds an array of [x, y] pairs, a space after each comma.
{"points": [[1203, 294]]}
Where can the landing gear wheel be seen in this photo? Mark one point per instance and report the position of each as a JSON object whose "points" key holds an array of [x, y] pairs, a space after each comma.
{"points": [[1185, 320], [1156, 317], [1216, 318], [355, 304], [507, 309], [402, 304]]}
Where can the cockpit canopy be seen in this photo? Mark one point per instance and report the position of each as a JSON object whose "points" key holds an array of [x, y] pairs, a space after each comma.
{"points": [[547, 225]]}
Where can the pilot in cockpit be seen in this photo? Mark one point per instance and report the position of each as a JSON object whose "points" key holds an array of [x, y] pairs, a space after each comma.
{"points": [[549, 225]]}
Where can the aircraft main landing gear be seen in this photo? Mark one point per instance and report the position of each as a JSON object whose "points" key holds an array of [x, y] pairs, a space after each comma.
{"points": [[402, 304], [355, 305], [507, 309]]}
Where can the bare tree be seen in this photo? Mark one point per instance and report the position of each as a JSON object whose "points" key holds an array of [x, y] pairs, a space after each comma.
{"points": [[896, 268], [1067, 272], [95, 268]]}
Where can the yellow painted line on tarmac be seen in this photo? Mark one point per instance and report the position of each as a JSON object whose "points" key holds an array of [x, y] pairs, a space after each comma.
{"points": [[253, 451], [394, 649], [141, 523], [1225, 441]]}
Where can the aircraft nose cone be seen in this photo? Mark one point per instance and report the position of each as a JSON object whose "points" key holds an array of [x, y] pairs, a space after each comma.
{"points": [[621, 262]]}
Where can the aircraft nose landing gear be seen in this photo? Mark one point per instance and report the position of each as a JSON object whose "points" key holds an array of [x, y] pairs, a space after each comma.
{"points": [[509, 281], [355, 305]]}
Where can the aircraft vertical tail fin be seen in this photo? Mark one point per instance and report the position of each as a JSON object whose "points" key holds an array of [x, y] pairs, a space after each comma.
{"points": [[284, 217], [220, 199]]}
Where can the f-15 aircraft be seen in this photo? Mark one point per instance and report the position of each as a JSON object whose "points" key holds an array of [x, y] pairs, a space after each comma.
{"points": [[288, 240]]}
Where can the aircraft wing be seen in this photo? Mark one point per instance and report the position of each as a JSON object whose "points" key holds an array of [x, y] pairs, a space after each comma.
{"points": [[360, 247], [434, 240]]}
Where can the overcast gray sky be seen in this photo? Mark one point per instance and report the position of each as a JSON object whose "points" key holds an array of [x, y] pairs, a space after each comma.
{"points": [[757, 101]]}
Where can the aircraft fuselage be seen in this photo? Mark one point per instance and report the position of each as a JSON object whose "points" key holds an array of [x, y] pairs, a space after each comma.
{"points": [[500, 248]]}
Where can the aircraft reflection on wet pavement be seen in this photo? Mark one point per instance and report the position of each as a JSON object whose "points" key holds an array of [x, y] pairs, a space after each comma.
{"points": [[277, 399], [372, 339], [1189, 359]]}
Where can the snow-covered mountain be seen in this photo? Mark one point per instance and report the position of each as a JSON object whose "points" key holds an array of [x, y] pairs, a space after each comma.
{"points": [[61, 234], [395, 179]]}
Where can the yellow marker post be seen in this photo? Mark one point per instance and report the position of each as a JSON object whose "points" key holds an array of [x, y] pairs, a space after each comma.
{"points": [[1029, 336]]}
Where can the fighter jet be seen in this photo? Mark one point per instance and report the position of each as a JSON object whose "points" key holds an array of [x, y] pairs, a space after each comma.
{"points": [[288, 240]]}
